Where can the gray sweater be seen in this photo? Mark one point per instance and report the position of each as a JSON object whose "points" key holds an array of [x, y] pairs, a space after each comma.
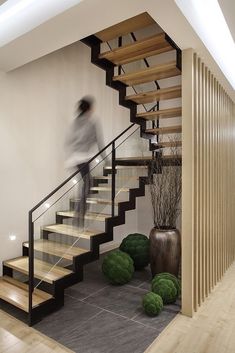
{"points": [[83, 141]]}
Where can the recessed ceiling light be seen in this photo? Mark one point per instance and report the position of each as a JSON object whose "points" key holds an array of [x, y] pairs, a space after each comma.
{"points": [[207, 19], [12, 237]]}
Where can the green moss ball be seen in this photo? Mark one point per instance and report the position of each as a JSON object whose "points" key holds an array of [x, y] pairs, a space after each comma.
{"points": [[152, 304], [166, 289], [175, 280], [118, 267], [137, 246]]}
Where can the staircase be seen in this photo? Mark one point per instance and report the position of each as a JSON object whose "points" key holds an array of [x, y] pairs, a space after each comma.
{"points": [[57, 250]]}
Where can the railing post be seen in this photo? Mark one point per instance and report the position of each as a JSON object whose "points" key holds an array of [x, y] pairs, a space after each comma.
{"points": [[113, 176], [31, 266], [119, 45]]}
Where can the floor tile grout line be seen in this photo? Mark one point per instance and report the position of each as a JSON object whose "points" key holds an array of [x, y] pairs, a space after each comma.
{"points": [[129, 285], [111, 312], [92, 317], [140, 323], [141, 284], [89, 294], [135, 316]]}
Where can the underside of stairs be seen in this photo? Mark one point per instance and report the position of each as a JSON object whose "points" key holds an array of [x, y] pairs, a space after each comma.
{"points": [[57, 258]]}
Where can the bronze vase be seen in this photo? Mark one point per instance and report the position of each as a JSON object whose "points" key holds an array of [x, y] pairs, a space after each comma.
{"points": [[165, 251]]}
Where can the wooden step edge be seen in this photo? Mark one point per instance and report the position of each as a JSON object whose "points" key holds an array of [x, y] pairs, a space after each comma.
{"points": [[19, 295], [117, 177], [168, 144], [56, 253], [161, 114], [126, 167], [155, 93], [83, 234], [44, 277], [159, 38], [165, 130], [140, 158], [99, 217], [138, 55], [147, 71], [95, 201], [108, 189]]}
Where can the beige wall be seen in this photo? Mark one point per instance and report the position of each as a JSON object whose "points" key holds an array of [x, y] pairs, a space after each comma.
{"points": [[208, 241], [37, 102]]}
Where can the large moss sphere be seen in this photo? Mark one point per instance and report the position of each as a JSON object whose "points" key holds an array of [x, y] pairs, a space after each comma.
{"points": [[175, 280], [166, 289], [137, 246], [152, 304], [118, 267]]}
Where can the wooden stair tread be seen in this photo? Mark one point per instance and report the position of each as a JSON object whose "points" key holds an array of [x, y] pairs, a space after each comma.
{"points": [[16, 293], [165, 130], [117, 177], [42, 270], [126, 167], [164, 144], [140, 49], [101, 217], [156, 95], [141, 158], [98, 201], [125, 27], [103, 188], [71, 230], [57, 249], [161, 114], [149, 74]]}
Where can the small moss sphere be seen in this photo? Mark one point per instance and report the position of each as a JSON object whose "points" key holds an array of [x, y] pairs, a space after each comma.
{"points": [[118, 267], [137, 246], [166, 289], [152, 304], [175, 280]]}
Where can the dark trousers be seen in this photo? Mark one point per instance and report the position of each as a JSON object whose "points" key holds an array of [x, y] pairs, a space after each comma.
{"points": [[81, 207]]}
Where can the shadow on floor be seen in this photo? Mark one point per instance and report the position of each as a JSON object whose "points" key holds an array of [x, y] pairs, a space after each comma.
{"points": [[100, 318]]}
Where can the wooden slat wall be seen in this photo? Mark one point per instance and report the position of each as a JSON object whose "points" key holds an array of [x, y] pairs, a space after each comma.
{"points": [[208, 148]]}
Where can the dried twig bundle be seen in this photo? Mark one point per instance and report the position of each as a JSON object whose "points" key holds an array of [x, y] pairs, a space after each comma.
{"points": [[166, 189]]}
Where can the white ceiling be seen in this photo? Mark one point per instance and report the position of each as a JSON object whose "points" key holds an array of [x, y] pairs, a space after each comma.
{"points": [[18, 17], [228, 8], [90, 16]]}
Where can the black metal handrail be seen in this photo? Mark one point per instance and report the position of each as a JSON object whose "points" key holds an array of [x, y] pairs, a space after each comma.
{"points": [[30, 216]]}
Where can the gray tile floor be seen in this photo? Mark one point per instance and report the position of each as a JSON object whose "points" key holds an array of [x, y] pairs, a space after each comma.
{"points": [[100, 318]]}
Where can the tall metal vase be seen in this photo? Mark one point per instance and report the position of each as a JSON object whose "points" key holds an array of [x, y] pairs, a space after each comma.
{"points": [[165, 251]]}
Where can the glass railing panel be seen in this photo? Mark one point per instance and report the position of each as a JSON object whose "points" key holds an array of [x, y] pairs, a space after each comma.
{"points": [[132, 158], [60, 232]]}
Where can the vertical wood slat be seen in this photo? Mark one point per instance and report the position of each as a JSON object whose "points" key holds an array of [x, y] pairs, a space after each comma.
{"points": [[188, 221], [196, 178], [208, 243]]}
